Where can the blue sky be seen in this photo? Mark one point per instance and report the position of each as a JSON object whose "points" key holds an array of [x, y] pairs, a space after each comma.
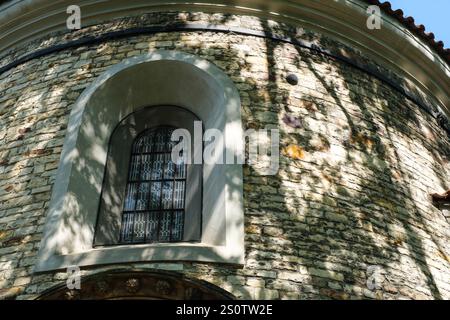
{"points": [[433, 14]]}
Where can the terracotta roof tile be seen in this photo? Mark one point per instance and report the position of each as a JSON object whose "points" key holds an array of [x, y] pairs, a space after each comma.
{"points": [[418, 30]]}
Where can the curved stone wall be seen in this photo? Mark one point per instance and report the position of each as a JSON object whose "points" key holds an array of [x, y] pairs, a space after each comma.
{"points": [[347, 216]]}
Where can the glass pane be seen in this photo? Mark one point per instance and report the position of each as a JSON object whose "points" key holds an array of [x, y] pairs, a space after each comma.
{"points": [[142, 196], [155, 195], [177, 226], [139, 226], [169, 143], [164, 232], [157, 166], [155, 184], [180, 171], [169, 167], [130, 199], [127, 227], [167, 193], [160, 141], [147, 142], [146, 167], [134, 168], [151, 233], [178, 201]]}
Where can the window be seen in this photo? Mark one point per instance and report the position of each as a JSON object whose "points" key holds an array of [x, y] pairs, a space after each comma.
{"points": [[147, 198], [168, 89], [154, 200]]}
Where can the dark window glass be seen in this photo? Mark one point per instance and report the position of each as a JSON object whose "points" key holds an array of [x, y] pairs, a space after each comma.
{"points": [[154, 204]]}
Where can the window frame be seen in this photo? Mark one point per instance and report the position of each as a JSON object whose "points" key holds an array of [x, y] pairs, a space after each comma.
{"points": [[172, 210], [155, 116]]}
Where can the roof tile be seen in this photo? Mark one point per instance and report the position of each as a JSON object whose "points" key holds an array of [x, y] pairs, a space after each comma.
{"points": [[418, 30]]}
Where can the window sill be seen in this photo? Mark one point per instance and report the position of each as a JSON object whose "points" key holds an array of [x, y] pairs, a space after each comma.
{"points": [[155, 252]]}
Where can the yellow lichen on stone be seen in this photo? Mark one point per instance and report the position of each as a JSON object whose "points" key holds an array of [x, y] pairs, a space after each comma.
{"points": [[294, 151]]}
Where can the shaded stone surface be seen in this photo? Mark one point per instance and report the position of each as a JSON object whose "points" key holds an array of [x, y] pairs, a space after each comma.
{"points": [[352, 190]]}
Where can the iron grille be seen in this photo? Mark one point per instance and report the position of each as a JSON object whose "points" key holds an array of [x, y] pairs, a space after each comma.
{"points": [[154, 204]]}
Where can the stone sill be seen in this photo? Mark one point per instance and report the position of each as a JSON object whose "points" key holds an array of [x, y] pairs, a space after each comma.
{"points": [[173, 252]]}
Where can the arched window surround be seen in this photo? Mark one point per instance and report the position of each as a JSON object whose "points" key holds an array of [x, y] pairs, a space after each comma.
{"points": [[154, 79]]}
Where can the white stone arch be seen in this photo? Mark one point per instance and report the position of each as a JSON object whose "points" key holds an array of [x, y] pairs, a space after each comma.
{"points": [[157, 78]]}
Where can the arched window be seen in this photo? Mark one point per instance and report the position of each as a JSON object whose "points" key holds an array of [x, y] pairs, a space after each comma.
{"points": [[146, 197], [85, 218], [155, 194]]}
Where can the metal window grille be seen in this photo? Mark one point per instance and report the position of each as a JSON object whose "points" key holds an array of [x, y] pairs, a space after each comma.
{"points": [[154, 204]]}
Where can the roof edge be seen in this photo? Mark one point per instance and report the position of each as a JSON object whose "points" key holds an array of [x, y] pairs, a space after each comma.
{"points": [[418, 30]]}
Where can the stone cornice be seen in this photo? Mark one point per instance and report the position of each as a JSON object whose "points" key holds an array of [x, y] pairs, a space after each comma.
{"points": [[394, 46]]}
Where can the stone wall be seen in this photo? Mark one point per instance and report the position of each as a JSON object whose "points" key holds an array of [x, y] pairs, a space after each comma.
{"points": [[358, 163]]}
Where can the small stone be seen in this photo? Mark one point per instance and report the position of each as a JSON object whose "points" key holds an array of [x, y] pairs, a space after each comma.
{"points": [[292, 121], [292, 79]]}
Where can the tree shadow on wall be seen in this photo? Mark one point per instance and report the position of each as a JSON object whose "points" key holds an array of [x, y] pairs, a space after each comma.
{"points": [[320, 222], [345, 229], [30, 156], [386, 189]]}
